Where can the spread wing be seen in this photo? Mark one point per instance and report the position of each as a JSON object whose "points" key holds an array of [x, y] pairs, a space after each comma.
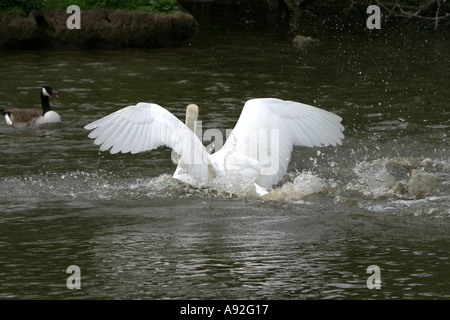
{"points": [[268, 129], [147, 126]]}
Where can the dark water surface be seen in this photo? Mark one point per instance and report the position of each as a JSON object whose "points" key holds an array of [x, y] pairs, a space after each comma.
{"points": [[136, 233]]}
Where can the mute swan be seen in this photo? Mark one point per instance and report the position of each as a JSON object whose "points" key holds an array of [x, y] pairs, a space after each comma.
{"points": [[259, 146], [27, 117]]}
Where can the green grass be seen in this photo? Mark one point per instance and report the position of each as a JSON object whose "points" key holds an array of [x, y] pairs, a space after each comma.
{"points": [[24, 7]]}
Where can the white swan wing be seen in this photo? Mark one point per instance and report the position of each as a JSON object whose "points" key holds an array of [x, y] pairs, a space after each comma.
{"points": [[266, 132], [147, 126]]}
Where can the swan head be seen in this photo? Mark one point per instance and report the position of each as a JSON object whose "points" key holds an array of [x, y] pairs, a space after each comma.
{"points": [[192, 109], [48, 91]]}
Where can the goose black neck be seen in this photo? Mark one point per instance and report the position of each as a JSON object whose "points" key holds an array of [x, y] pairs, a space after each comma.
{"points": [[45, 104]]}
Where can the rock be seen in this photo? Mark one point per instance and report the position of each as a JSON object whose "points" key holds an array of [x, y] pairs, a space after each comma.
{"points": [[100, 28], [301, 41], [421, 182], [16, 30]]}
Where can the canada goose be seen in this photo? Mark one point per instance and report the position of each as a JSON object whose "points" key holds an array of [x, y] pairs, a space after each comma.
{"points": [[17, 117], [247, 150]]}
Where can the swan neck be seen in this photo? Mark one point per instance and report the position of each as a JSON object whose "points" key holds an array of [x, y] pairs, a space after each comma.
{"points": [[191, 116]]}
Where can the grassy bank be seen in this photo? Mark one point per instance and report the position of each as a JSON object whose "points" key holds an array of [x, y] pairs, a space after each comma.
{"points": [[24, 7]]}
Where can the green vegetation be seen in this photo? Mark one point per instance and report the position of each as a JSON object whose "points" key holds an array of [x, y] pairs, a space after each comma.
{"points": [[24, 7]]}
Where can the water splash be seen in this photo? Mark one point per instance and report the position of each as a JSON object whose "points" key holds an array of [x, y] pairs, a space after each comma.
{"points": [[381, 185], [393, 176], [305, 184], [406, 186]]}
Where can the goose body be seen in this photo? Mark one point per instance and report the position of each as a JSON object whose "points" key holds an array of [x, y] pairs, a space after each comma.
{"points": [[259, 146], [17, 117]]}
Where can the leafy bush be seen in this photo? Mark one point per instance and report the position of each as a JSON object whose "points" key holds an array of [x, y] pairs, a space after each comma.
{"points": [[163, 5], [20, 6], [25, 6]]}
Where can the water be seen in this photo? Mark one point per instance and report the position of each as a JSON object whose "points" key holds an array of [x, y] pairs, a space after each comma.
{"points": [[136, 233]]}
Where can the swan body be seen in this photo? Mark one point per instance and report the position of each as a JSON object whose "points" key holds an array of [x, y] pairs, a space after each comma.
{"points": [[259, 146], [17, 117]]}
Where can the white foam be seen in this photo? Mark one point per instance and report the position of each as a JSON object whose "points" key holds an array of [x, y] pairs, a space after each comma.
{"points": [[306, 183]]}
